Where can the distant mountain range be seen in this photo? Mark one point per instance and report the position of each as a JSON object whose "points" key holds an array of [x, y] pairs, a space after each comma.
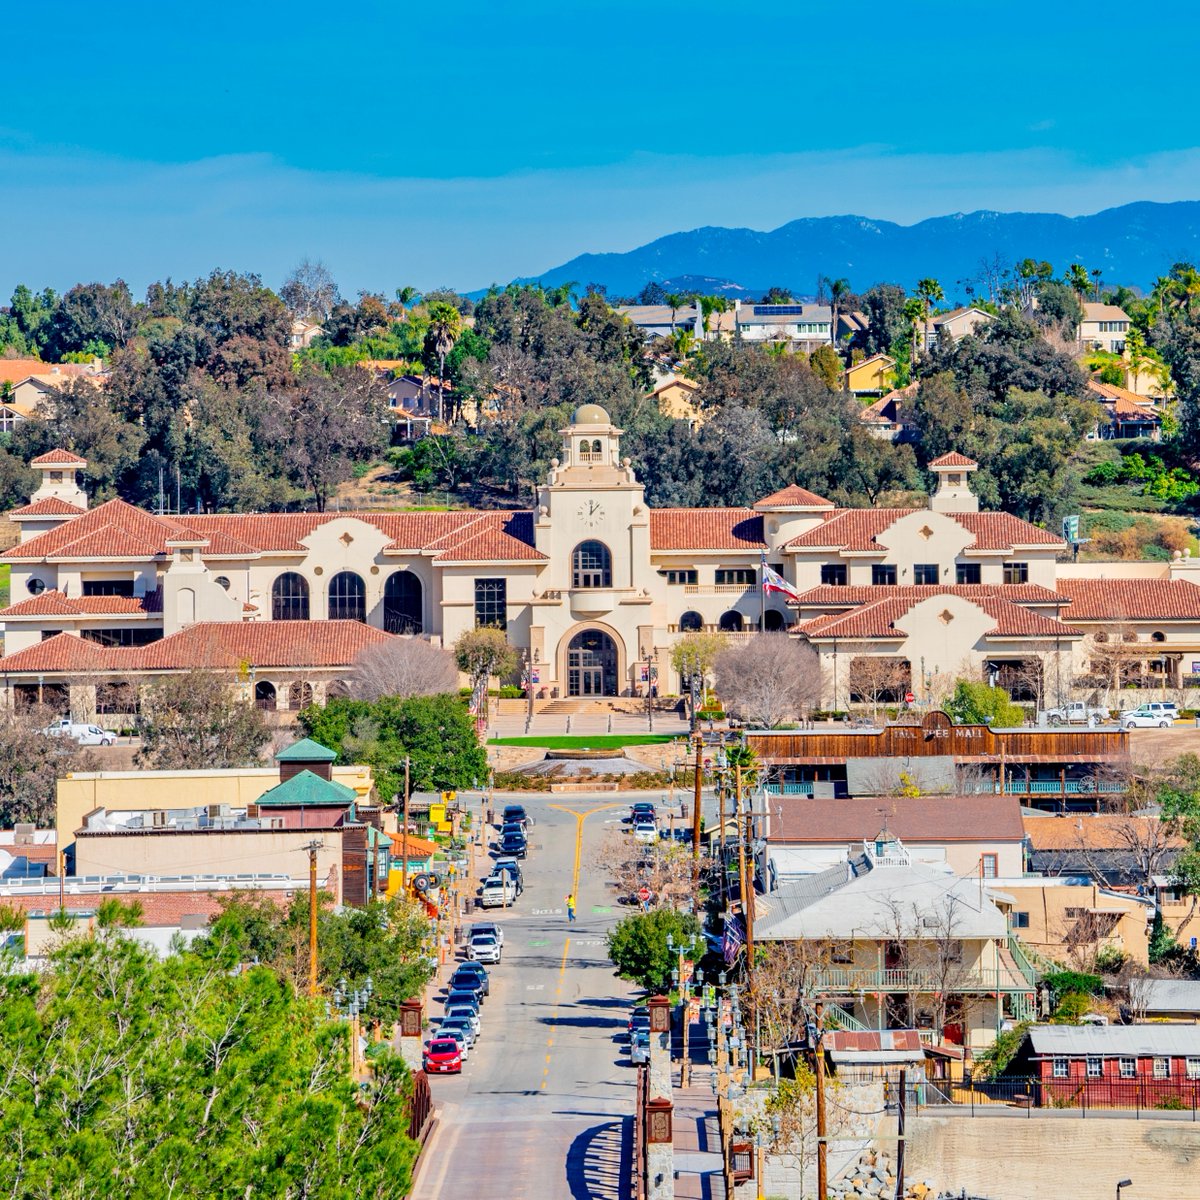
{"points": [[1132, 245]]}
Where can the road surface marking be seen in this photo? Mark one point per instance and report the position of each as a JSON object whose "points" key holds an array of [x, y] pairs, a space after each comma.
{"points": [[534, 987]]}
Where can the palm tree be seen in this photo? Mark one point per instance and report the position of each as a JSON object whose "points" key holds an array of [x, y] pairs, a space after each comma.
{"points": [[563, 294], [675, 301], [1096, 276], [445, 328], [1078, 281], [713, 304], [685, 343], [929, 293], [839, 289], [914, 312]]}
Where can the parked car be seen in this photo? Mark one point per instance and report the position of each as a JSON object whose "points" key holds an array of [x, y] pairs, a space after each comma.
{"points": [[463, 995], [467, 1013], [484, 948], [639, 1047], [471, 977], [512, 829], [81, 732], [643, 810], [1154, 715], [639, 1021], [488, 927], [513, 868], [514, 845], [1075, 713], [443, 1056], [498, 891], [460, 1029], [515, 814], [646, 831]]}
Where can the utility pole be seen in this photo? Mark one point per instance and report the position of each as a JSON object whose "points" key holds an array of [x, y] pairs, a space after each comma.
{"points": [[722, 779], [900, 1115], [404, 835], [62, 899], [822, 1148], [696, 809], [745, 886], [312, 849]]}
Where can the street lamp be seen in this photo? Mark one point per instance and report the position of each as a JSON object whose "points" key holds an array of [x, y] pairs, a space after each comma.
{"points": [[1123, 1183]]}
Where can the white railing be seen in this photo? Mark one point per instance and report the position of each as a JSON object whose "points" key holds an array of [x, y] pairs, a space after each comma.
{"points": [[717, 589]]}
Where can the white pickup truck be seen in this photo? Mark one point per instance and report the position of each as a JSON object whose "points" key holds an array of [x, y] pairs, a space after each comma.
{"points": [[81, 732], [1075, 713], [497, 892]]}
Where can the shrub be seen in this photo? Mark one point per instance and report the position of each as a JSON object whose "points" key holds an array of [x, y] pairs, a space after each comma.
{"points": [[1061, 982]]}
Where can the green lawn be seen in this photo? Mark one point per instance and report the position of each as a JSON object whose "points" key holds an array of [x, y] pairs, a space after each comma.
{"points": [[5, 572], [601, 741]]}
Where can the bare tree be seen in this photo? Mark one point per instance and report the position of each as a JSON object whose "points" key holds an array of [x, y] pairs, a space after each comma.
{"points": [[310, 291], [1113, 654], [403, 666], [875, 680], [769, 678], [663, 867], [30, 764]]}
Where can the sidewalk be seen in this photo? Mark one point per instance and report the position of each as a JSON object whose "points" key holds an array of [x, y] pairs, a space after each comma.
{"points": [[698, 1168]]}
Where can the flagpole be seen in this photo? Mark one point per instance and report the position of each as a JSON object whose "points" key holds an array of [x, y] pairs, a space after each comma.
{"points": [[762, 594]]}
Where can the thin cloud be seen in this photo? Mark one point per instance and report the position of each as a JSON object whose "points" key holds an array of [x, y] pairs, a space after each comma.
{"points": [[87, 217]]}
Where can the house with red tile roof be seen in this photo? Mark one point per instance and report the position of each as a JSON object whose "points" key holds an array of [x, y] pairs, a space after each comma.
{"points": [[589, 584]]}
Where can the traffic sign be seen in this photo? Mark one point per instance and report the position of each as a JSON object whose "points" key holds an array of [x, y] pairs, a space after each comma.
{"points": [[909, 697], [643, 894], [707, 763]]}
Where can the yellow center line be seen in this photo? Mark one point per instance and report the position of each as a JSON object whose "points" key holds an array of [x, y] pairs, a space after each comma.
{"points": [[580, 817]]}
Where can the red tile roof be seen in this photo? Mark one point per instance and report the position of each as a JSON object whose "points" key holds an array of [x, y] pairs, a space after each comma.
{"points": [[848, 597], [117, 529], [878, 620], [51, 506], [793, 496], [924, 818], [210, 644], [16, 370], [1130, 599], [953, 459], [58, 458], [859, 529], [706, 529], [55, 604]]}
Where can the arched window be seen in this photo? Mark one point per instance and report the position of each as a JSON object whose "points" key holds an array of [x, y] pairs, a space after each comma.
{"points": [[299, 695], [773, 622], [591, 566], [596, 448], [731, 622], [1158, 636], [691, 622], [347, 597], [403, 603], [264, 696], [583, 448], [289, 598]]}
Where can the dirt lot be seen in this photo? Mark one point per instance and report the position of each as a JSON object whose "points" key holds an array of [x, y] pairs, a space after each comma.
{"points": [[1154, 746]]}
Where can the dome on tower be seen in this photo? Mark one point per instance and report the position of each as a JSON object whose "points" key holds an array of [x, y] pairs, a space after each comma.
{"points": [[590, 414]]}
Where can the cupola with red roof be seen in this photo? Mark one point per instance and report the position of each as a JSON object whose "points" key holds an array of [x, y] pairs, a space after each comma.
{"points": [[58, 494], [790, 513], [953, 494]]}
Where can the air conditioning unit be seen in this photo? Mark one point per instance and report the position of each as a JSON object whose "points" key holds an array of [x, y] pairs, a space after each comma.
{"points": [[275, 823], [159, 818], [23, 833]]}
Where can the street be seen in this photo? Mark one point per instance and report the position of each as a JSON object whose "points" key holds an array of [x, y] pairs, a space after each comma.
{"points": [[543, 1107]]}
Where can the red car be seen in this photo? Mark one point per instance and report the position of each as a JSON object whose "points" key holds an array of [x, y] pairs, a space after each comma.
{"points": [[443, 1056]]}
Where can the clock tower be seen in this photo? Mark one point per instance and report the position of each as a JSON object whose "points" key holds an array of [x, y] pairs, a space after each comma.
{"points": [[593, 525]]}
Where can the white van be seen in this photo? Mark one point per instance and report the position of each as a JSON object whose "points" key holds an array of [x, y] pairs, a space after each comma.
{"points": [[84, 734]]}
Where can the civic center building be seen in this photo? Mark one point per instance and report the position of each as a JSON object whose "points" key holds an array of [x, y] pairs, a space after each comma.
{"points": [[593, 586]]}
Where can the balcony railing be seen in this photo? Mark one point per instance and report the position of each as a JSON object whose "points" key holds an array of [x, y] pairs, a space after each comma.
{"points": [[917, 979], [717, 589], [1060, 787], [789, 789]]}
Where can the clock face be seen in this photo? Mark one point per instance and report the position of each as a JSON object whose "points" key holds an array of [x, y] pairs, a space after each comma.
{"points": [[591, 513]]}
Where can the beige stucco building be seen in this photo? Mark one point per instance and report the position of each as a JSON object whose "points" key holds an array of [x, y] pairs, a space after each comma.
{"points": [[593, 586]]}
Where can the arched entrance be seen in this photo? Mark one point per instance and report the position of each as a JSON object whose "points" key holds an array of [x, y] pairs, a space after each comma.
{"points": [[591, 664]]}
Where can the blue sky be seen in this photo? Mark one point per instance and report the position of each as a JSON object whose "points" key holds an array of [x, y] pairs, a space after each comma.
{"points": [[468, 143]]}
